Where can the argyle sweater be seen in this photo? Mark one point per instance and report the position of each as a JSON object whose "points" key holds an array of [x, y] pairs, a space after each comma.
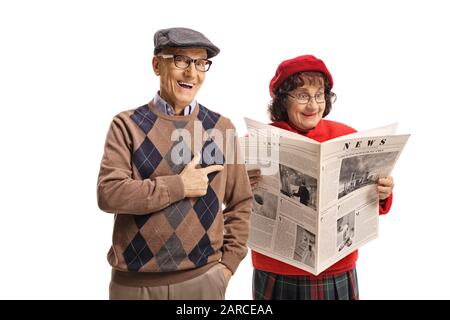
{"points": [[325, 130], [161, 237]]}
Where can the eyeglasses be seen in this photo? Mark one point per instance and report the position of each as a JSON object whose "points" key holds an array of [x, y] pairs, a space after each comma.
{"points": [[305, 98], [183, 62]]}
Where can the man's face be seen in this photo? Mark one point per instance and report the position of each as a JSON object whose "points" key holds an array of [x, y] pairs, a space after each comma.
{"points": [[177, 86]]}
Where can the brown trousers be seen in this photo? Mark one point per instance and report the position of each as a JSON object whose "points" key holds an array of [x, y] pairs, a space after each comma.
{"points": [[208, 286]]}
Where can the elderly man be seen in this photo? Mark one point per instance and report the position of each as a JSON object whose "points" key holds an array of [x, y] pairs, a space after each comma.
{"points": [[168, 166]]}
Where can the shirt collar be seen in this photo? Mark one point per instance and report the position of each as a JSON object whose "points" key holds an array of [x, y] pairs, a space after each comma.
{"points": [[163, 106]]}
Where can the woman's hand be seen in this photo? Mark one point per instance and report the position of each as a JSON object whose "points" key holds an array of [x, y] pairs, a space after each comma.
{"points": [[385, 187], [255, 177]]}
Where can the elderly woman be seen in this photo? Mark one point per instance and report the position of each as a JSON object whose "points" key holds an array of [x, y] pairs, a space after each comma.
{"points": [[301, 98]]}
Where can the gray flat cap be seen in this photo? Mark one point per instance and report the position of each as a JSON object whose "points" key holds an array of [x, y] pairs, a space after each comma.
{"points": [[183, 38]]}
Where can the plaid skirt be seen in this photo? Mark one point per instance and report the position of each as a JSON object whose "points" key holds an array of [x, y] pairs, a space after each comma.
{"points": [[272, 286]]}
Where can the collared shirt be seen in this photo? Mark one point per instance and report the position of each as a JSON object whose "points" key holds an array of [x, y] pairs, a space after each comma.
{"points": [[166, 108]]}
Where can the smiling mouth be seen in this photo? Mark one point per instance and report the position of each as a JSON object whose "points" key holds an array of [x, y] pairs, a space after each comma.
{"points": [[185, 85], [309, 115]]}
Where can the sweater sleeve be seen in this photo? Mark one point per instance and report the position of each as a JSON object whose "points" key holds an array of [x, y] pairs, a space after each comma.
{"points": [[238, 205], [386, 205], [118, 192]]}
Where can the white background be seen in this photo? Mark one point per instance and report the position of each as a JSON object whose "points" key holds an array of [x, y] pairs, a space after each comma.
{"points": [[67, 67]]}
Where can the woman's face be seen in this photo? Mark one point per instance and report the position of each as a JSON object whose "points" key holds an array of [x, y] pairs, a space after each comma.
{"points": [[306, 115]]}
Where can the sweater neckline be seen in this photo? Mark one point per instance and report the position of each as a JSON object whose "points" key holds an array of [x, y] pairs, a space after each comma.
{"points": [[304, 131], [189, 117]]}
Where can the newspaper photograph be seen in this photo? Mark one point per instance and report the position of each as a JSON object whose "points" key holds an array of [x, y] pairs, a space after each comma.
{"points": [[317, 202]]}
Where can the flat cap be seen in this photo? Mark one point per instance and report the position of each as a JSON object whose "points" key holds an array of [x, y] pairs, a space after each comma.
{"points": [[183, 38]]}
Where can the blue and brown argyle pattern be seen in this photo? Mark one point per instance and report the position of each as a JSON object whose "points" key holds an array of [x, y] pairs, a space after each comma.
{"points": [[187, 233]]}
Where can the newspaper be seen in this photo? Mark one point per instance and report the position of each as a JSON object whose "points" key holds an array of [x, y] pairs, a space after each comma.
{"points": [[317, 202]]}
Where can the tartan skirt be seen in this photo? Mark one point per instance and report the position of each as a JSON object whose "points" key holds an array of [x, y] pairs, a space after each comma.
{"points": [[272, 286]]}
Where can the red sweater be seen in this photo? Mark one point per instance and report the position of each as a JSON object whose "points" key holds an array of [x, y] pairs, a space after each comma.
{"points": [[325, 130]]}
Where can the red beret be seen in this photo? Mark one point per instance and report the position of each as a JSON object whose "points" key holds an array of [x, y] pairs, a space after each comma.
{"points": [[298, 64]]}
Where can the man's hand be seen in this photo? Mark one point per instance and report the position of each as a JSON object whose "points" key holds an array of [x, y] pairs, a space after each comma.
{"points": [[195, 180], [226, 273], [385, 187], [255, 177]]}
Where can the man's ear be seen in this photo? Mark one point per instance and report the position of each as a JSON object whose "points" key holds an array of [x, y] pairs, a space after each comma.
{"points": [[156, 66]]}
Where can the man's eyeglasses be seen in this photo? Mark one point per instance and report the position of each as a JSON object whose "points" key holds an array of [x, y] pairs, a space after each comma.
{"points": [[305, 98], [183, 62]]}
